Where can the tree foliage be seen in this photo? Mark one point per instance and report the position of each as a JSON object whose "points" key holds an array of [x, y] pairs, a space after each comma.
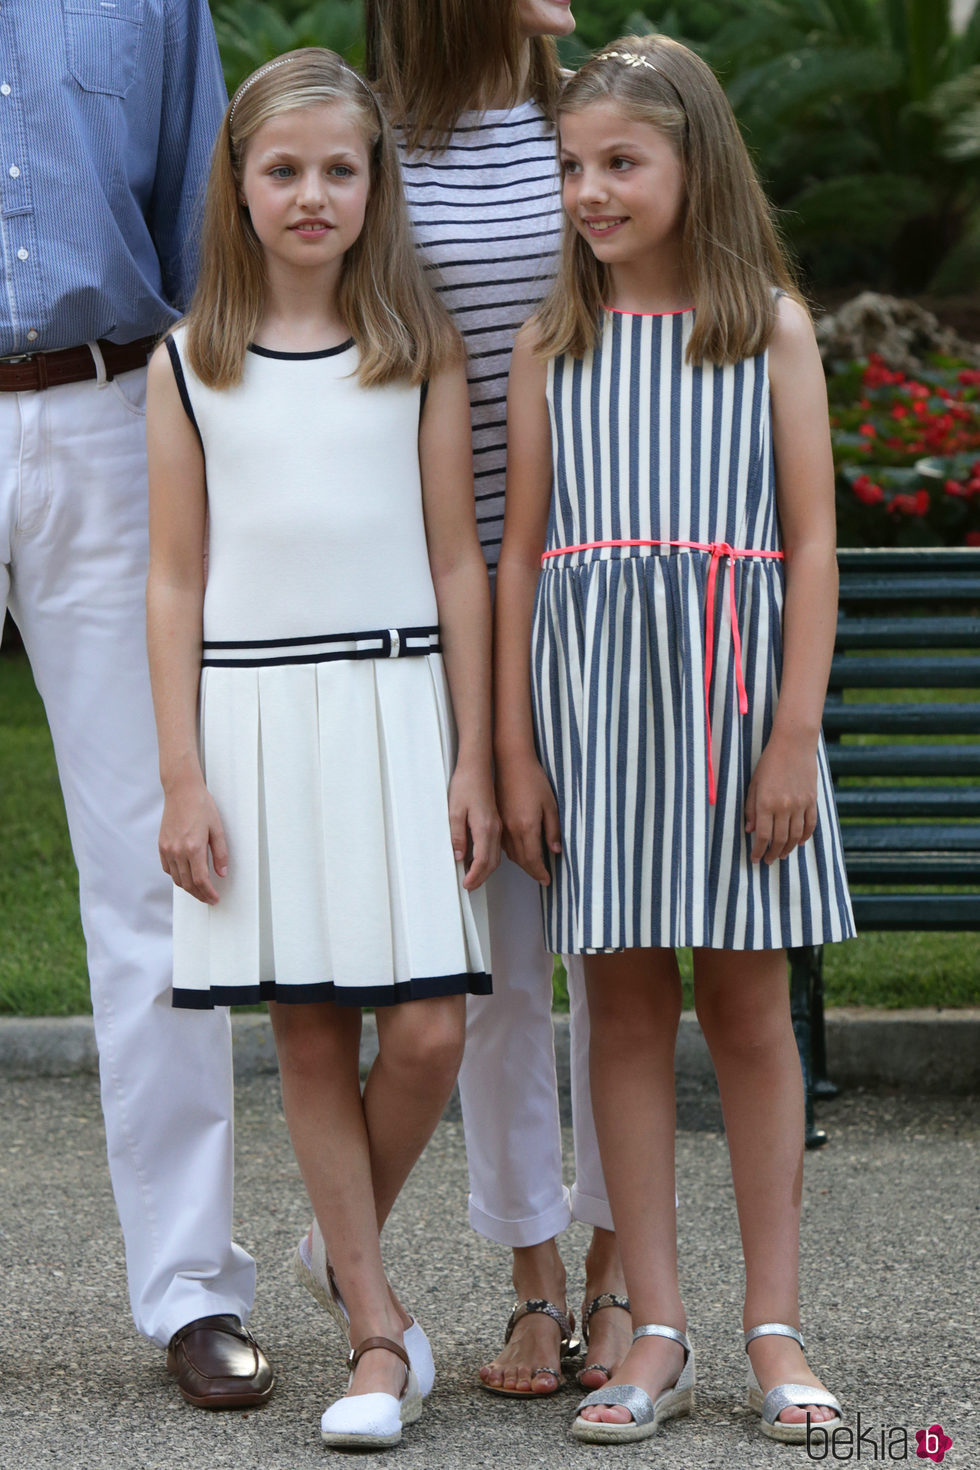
{"points": [[251, 32], [864, 117]]}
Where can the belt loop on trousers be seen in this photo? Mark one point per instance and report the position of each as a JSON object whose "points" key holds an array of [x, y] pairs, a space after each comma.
{"points": [[102, 373]]}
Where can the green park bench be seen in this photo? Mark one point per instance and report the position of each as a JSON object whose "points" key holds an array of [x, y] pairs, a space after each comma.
{"points": [[909, 802]]}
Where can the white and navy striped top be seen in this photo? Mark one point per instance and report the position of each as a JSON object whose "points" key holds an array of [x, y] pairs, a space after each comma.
{"points": [[487, 219]]}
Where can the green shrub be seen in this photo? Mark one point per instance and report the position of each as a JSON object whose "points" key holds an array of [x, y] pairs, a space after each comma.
{"points": [[864, 117], [251, 32]]}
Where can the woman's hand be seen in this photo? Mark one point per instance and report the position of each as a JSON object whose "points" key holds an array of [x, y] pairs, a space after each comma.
{"points": [[191, 825], [781, 803], [474, 825], [530, 815]]}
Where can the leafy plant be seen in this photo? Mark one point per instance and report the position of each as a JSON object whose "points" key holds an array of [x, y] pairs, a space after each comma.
{"points": [[251, 32], [907, 452], [864, 116]]}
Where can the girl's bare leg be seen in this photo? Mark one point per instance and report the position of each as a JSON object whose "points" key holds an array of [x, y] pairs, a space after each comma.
{"points": [[354, 1155], [742, 1001], [420, 1047], [420, 1044], [318, 1062], [634, 1009]]}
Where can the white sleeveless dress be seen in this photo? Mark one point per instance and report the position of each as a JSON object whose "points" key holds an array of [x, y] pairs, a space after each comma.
{"points": [[326, 728]]}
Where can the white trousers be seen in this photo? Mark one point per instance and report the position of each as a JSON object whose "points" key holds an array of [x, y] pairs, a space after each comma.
{"points": [[508, 1087], [73, 551]]}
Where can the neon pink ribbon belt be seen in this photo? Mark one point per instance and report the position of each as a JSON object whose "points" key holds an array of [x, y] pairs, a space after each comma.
{"points": [[718, 550]]}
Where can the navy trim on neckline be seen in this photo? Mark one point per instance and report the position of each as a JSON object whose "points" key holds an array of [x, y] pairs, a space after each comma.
{"points": [[301, 356]]}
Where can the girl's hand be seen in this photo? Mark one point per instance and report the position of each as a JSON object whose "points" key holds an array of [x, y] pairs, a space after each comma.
{"points": [[190, 827], [474, 826], [781, 804], [530, 815]]}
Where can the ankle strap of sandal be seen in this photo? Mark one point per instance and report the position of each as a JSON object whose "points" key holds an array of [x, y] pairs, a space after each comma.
{"points": [[369, 1344], [656, 1329], [773, 1329]]}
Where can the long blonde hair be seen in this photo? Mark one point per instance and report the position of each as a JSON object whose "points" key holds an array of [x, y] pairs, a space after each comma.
{"points": [[435, 59], [397, 322], [732, 256]]}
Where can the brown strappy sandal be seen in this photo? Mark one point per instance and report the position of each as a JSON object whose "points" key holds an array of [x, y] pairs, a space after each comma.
{"points": [[568, 1347], [589, 1309]]}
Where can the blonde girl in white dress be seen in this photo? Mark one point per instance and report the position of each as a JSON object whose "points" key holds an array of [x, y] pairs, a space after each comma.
{"points": [[312, 413]]}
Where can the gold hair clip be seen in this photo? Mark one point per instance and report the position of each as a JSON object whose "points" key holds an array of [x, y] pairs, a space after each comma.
{"points": [[634, 59], [631, 58]]}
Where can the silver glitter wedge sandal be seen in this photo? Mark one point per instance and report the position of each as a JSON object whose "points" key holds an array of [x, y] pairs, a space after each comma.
{"points": [[648, 1414], [786, 1395]]}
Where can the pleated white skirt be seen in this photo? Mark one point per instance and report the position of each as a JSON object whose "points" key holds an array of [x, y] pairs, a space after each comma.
{"points": [[331, 780]]}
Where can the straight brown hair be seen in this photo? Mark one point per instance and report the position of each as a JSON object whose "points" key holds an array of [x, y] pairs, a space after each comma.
{"points": [[433, 60], [733, 259], [401, 328]]}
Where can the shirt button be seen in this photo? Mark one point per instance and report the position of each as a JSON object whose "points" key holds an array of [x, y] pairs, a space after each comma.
{"points": [[32, 335], [5, 89], [23, 254], [14, 171]]}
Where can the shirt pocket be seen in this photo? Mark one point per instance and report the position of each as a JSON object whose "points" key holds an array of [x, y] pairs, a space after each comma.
{"points": [[103, 38]]}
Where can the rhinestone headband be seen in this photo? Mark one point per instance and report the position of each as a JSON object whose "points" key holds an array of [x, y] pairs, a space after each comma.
{"points": [[634, 59], [283, 61]]}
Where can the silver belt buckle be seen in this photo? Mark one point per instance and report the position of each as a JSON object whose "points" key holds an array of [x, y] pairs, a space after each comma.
{"points": [[19, 357], [395, 643]]}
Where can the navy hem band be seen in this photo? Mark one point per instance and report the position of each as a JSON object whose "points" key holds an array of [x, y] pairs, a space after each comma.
{"points": [[466, 983]]}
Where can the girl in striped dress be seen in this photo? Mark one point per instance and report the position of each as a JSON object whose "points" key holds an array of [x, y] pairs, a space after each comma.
{"points": [[665, 611]]}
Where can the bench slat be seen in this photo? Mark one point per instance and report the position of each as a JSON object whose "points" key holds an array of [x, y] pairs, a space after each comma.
{"points": [[908, 801], [909, 837], [897, 632], [909, 911], [852, 671], [905, 760], [900, 719], [921, 870]]}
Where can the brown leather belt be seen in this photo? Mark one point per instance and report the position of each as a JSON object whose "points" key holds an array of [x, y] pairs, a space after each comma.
{"points": [[39, 370]]}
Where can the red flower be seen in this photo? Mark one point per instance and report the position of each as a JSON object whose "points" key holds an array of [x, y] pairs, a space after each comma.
{"points": [[969, 377], [919, 390], [868, 430], [973, 538], [921, 501], [953, 487], [900, 411], [867, 491], [907, 505]]}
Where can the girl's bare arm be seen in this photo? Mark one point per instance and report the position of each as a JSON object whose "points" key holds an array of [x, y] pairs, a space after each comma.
{"points": [[781, 805], [459, 576], [174, 604], [524, 794]]}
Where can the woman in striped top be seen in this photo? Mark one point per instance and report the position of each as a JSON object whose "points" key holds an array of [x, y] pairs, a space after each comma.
{"points": [[669, 457], [472, 88]]}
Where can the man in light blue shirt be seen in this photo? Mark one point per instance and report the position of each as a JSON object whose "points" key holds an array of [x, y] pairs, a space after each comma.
{"points": [[108, 110]]}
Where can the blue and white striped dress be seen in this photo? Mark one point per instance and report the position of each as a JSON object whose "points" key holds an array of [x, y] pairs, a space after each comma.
{"points": [[646, 446]]}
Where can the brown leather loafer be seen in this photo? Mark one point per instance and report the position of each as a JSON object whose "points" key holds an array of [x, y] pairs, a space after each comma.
{"points": [[219, 1365]]}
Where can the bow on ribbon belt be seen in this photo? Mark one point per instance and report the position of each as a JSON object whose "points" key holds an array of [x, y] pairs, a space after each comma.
{"points": [[718, 551]]}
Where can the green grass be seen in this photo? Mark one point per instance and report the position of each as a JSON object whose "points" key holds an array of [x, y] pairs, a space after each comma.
{"points": [[42, 959], [891, 971]]}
